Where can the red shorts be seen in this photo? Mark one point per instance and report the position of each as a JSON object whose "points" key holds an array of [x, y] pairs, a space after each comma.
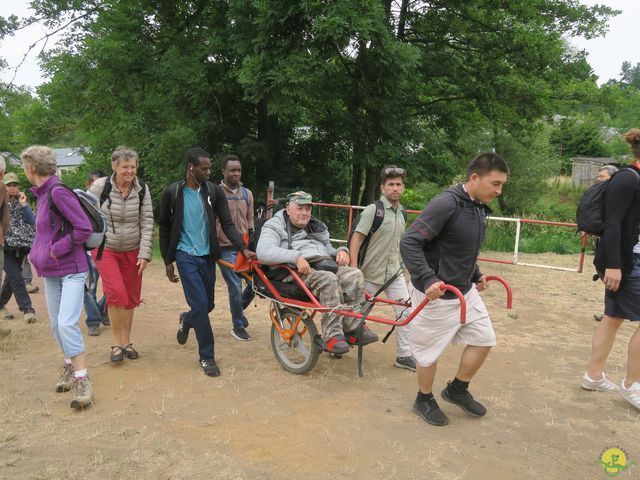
{"points": [[120, 280]]}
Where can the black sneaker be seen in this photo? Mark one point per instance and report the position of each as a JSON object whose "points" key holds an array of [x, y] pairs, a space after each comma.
{"points": [[430, 412], [245, 322], [464, 400], [241, 334], [183, 332], [209, 367]]}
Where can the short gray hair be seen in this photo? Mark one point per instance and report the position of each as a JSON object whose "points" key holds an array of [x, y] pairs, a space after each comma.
{"points": [[124, 153], [42, 159], [609, 168]]}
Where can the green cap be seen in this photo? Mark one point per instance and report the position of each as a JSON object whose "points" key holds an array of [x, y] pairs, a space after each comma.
{"points": [[10, 178], [300, 197]]}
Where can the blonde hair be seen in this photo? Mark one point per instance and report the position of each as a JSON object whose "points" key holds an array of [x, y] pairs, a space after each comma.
{"points": [[633, 138], [124, 153], [42, 159]]}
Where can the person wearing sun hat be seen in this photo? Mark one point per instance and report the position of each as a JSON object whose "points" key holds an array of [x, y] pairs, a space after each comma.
{"points": [[18, 241]]}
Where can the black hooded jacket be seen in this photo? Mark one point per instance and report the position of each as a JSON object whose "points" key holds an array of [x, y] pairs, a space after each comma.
{"points": [[443, 243], [622, 223], [172, 214]]}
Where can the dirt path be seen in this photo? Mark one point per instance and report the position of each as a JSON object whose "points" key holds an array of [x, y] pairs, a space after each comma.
{"points": [[160, 418]]}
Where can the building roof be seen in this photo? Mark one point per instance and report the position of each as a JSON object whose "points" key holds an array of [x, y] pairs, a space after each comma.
{"points": [[594, 160], [69, 157], [65, 157], [10, 158]]}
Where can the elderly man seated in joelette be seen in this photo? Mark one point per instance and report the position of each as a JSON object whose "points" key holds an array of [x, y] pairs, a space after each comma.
{"points": [[294, 237]]}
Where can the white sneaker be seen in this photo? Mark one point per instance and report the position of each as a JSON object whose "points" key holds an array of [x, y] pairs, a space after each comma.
{"points": [[631, 394], [602, 385]]}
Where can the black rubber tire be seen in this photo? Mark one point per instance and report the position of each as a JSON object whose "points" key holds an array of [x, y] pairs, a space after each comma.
{"points": [[294, 357]]}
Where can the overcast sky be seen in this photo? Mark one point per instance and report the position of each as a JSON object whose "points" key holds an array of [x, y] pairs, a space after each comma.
{"points": [[605, 54]]}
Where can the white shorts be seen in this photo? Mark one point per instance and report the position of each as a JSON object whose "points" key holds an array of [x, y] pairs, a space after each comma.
{"points": [[438, 325]]}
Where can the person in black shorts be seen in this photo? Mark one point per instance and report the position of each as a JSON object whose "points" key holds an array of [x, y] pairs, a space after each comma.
{"points": [[617, 262]]}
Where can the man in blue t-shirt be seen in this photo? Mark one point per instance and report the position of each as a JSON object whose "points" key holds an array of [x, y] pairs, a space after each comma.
{"points": [[188, 236]]}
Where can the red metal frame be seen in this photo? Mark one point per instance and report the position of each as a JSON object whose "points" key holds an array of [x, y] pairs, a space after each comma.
{"points": [[315, 305]]}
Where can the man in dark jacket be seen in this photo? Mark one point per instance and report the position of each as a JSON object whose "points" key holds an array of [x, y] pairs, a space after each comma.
{"points": [[188, 236], [440, 247]]}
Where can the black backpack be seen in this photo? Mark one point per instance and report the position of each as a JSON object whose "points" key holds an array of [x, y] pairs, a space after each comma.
{"points": [[377, 222], [590, 212]]}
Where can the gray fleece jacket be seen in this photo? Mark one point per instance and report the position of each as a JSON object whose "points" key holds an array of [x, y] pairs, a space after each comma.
{"points": [[309, 242]]}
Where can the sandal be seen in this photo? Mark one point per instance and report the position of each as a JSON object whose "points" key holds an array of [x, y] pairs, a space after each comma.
{"points": [[117, 353], [130, 352]]}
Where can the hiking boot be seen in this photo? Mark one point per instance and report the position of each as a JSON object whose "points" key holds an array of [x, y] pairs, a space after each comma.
{"points": [[30, 317], [183, 332], [5, 315], [104, 319], [93, 330], [430, 412], [631, 394], [65, 382], [598, 317], [240, 334], [408, 362], [83, 395], [601, 385], [209, 367], [368, 336], [32, 288], [337, 345], [464, 400]]}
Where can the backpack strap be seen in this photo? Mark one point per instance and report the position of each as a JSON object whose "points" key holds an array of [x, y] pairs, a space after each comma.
{"points": [[141, 193], [105, 196], [54, 207], [378, 218]]}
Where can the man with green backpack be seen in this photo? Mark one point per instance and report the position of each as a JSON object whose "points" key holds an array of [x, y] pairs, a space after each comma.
{"points": [[375, 249]]}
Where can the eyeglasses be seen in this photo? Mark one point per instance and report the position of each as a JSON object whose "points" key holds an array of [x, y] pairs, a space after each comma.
{"points": [[394, 171]]}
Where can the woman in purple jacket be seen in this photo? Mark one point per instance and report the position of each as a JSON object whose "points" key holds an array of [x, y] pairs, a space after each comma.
{"points": [[58, 255]]}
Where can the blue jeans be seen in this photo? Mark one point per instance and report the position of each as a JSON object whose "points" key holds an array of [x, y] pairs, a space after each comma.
{"points": [[198, 278], [238, 299], [63, 295], [94, 309]]}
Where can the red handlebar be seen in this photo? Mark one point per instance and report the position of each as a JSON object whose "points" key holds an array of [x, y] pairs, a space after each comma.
{"points": [[463, 303], [506, 287]]}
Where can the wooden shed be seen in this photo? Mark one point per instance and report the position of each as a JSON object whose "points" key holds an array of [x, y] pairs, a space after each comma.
{"points": [[585, 169]]}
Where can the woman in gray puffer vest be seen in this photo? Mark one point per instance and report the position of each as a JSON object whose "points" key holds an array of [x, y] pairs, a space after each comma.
{"points": [[128, 246]]}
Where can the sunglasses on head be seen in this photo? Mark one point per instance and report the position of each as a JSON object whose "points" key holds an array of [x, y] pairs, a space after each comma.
{"points": [[394, 171]]}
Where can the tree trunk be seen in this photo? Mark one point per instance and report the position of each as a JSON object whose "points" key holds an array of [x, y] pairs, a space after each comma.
{"points": [[356, 181], [369, 193], [268, 142], [402, 19]]}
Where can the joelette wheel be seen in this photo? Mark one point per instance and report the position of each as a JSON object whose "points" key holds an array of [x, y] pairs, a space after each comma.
{"points": [[298, 354]]}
